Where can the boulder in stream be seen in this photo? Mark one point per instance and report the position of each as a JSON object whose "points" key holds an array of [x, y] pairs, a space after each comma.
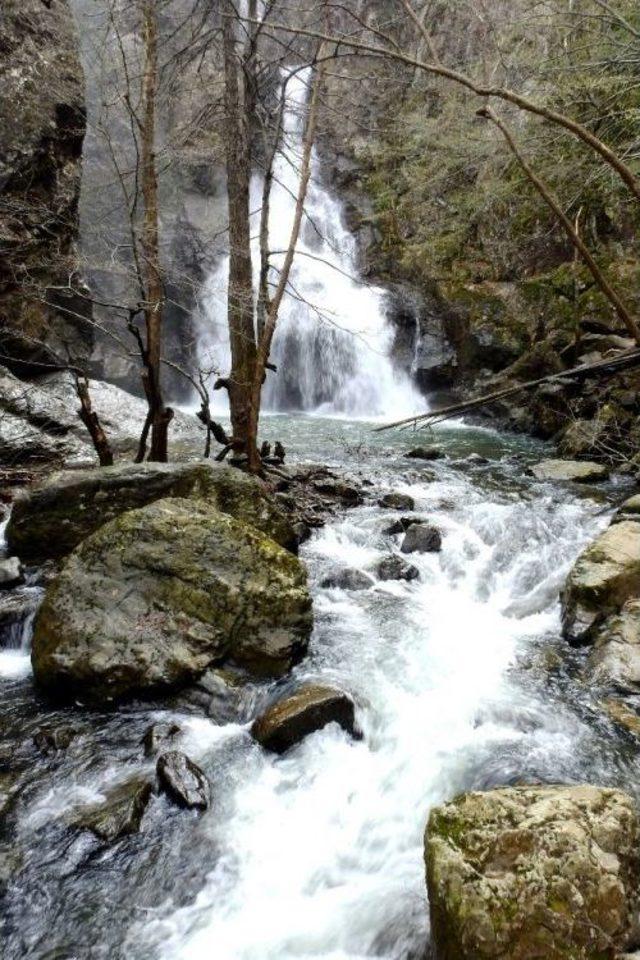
{"points": [[580, 471], [395, 568], [397, 501], [183, 781], [401, 526], [294, 717], [348, 579], [50, 519], [10, 573], [424, 453], [422, 538], [603, 578], [532, 872], [157, 737], [120, 814], [156, 596]]}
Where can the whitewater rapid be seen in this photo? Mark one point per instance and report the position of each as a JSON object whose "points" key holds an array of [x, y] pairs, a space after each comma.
{"points": [[321, 851]]}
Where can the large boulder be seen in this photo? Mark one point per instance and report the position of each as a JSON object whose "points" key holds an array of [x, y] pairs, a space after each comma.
{"points": [[615, 658], [579, 471], [308, 709], [157, 595], [533, 872], [50, 519], [39, 422], [603, 578]]}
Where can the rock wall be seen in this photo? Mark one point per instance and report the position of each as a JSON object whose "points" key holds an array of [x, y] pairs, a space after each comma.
{"points": [[42, 125]]}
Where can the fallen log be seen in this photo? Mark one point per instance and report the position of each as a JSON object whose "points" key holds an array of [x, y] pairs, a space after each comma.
{"points": [[626, 358]]}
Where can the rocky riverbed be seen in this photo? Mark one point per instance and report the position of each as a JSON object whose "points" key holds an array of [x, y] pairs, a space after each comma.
{"points": [[178, 799]]}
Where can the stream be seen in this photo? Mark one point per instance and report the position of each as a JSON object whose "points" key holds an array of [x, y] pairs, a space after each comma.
{"points": [[461, 681]]}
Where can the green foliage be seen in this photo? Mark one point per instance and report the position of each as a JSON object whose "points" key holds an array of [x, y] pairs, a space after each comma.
{"points": [[448, 197]]}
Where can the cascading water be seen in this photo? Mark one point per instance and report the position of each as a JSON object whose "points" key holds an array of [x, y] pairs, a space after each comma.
{"points": [[333, 342]]}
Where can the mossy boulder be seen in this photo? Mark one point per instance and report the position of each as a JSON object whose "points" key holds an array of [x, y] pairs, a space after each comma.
{"points": [[604, 577], [532, 872], [50, 519], [577, 471], [159, 594]]}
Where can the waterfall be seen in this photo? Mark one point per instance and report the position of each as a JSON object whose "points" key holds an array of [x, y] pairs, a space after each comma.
{"points": [[332, 346]]}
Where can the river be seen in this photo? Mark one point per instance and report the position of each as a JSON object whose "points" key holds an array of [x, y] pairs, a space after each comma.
{"points": [[461, 681]]}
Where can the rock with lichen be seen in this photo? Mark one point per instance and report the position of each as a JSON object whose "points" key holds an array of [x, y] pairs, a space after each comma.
{"points": [[155, 597], [531, 872]]}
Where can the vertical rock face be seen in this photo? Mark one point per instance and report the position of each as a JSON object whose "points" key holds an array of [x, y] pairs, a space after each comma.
{"points": [[531, 872], [42, 125]]}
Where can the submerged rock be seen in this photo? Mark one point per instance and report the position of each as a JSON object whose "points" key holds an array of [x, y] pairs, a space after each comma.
{"points": [[603, 578], [120, 814], [10, 573], [532, 872], [293, 718], [580, 471], [349, 579], [422, 538], [395, 568], [397, 501], [50, 519], [157, 595], [424, 453], [52, 739], [183, 780]]}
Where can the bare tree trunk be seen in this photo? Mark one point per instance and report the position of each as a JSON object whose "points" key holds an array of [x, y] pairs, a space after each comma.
{"points": [[92, 422], [240, 297], [159, 415], [266, 339], [612, 296]]}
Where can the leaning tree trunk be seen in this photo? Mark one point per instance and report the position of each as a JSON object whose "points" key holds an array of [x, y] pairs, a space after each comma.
{"points": [[240, 297]]}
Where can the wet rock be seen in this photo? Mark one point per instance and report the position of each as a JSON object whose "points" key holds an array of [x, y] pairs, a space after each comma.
{"points": [[422, 538], [157, 737], [401, 525], [397, 501], [159, 594], [10, 573], [579, 471], [120, 814], [424, 453], [15, 609], [533, 872], [603, 578], [349, 579], [622, 715], [293, 718], [53, 739], [615, 658], [477, 459], [77, 503], [395, 568], [338, 489], [183, 781], [629, 510]]}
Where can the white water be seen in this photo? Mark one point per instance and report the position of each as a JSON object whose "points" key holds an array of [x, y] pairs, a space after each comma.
{"points": [[332, 344], [321, 850]]}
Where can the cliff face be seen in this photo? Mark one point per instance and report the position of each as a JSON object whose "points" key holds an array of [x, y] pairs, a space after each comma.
{"points": [[42, 126]]}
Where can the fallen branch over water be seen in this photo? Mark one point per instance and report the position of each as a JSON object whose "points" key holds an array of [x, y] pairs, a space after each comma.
{"points": [[626, 358]]}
